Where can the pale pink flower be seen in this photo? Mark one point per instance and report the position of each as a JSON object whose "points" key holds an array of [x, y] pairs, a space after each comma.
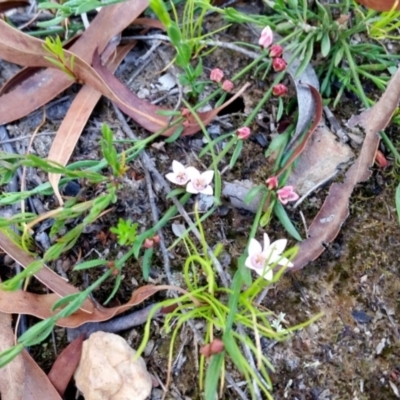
{"points": [[179, 176], [262, 259], [287, 194], [243, 133], [272, 182], [266, 37], [216, 75], [199, 182], [279, 64], [279, 90], [227, 85], [275, 51]]}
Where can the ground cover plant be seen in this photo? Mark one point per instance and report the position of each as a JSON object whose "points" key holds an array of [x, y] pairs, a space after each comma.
{"points": [[195, 190]]}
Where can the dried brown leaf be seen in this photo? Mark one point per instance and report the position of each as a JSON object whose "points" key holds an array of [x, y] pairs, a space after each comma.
{"points": [[48, 277], [379, 5], [65, 365], [21, 49], [6, 5], [12, 376], [22, 302], [47, 84], [37, 385], [302, 145], [334, 211]]}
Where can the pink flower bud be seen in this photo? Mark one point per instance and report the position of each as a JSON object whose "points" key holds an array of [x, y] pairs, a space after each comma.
{"points": [[266, 38], [275, 51], [227, 86], [380, 159], [215, 347], [148, 243], [272, 182], [279, 90], [185, 112], [287, 194], [156, 239], [278, 64], [216, 75], [243, 133]]}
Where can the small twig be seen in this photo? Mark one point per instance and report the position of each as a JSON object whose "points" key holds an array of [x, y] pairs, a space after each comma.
{"points": [[144, 61], [235, 386], [335, 126], [118, 324], [175, 72], [224, 45]]}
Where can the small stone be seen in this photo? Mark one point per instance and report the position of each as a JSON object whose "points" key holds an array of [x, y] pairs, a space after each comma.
{"points": [[107, 370]]}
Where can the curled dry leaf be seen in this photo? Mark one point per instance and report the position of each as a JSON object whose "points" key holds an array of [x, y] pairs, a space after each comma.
{"points": [[12, 376], [36, 385], [379, 5], [302, 145], [47, 84], [25, 50], [21, 302], [65, 365], [334, 211], [47, 276], [6, 5]]}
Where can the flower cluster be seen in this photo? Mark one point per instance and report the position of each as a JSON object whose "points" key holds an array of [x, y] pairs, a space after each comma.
{"points": [[217, 75], [195, 181], [284, 194], [275, 52], [263, 259]]}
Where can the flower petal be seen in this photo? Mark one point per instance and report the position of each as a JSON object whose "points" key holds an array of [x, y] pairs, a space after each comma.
{"points": [[208, 176], [266, 242], [192, 173], [267, 273], [190, 188], [172, 178], [285, 262], [254, 247], [248, 262], [279, 245], [207, 190], [293, 196], [177, 166]]}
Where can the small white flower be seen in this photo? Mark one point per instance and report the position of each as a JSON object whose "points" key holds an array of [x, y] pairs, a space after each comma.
{"points": [[199, 183], [180, 175], [260, 259]]}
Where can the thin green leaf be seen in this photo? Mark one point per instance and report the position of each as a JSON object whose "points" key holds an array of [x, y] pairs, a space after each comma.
{"points": [[89, 264], [175, 135], [212, 376], [146, 264], [281, 213], [397, 200], [236, 153]]}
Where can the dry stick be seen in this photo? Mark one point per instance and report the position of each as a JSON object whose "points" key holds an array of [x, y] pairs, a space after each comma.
{"points": [[20, 138], [225, 45], [151, 168], [118, 324]]}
